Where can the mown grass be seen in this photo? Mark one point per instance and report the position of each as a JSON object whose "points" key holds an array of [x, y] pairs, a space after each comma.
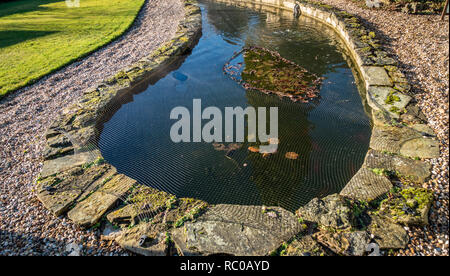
{"points": [[38, 37]]}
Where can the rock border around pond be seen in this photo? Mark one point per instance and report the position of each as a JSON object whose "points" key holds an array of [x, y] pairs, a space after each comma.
{"points": [[76, 180]]}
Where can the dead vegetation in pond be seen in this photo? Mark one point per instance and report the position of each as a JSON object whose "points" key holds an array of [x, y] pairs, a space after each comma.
{"points": [[268, 72]]}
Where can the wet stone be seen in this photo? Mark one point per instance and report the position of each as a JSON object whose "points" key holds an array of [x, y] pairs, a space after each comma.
{"points": [[236, 230], [366, 185]]}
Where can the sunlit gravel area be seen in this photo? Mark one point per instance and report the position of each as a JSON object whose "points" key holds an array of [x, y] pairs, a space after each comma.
{"points": [[420, 43], [26, 227]]}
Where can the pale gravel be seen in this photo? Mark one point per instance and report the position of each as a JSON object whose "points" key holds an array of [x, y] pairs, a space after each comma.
{"points": [[420, 43], [26, 227]]}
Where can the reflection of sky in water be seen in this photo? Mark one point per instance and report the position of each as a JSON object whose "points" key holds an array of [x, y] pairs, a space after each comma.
{"points": [[331, 138]]}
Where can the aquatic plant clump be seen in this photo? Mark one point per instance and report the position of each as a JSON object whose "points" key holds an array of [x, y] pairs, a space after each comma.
{"points": [[266, 71]]}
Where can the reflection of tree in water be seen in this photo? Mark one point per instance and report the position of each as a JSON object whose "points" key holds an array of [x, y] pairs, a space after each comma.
{"points": [[231, 22], [295, 39], [278, 178]]}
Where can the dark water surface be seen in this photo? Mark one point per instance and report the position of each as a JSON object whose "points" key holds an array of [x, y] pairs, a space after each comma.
{"points": [[331, 137]]}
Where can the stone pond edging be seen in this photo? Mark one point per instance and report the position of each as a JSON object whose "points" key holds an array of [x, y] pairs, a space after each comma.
{"points": [[76, 181]]}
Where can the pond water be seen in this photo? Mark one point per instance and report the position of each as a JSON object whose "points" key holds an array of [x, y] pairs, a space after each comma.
{"points": [[331, 136]]}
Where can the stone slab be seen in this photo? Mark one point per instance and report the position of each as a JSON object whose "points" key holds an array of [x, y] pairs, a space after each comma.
{"points": [[89, 211], [236, 230], [377, 99], [64, 163], [366, 185]]}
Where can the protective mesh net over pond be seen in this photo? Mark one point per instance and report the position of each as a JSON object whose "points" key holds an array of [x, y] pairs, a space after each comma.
{"points": [[321, 144]]}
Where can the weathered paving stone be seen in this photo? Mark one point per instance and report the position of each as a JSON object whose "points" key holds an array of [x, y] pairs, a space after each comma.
{"points": [[415, 170], [391, 138], [61, 164], [58, 193], [144, 203], [236, 230], [387, 99], [423, 129], [344, 243], [89, 211], [386, 234], [305, 246], [421, 147], [409, 207], [376, 76], [145, 239], [331, 211], [366, 185]]}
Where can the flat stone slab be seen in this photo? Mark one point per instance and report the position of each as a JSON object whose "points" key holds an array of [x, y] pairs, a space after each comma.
{"points": [[366, 185], [415, 170], [144, 203], [64, 163], [391, 139], [388, 235], [58, 193], [387, 99], [421, 147], [331, 211], [376, 76], [236, 230], [145, 239], [89, 211]]}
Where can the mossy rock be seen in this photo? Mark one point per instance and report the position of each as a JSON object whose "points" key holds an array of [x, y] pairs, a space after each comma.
{"points": [[409, 206]]}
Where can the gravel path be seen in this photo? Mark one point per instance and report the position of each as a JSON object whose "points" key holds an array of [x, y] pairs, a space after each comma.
{"points": [[26, 227], [420, 43]]}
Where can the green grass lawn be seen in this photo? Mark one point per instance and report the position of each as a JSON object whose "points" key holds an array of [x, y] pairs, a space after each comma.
{"points": [[38, 37]]}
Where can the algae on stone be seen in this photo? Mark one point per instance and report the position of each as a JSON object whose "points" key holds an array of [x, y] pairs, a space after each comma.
{"points": [[268, 72]]}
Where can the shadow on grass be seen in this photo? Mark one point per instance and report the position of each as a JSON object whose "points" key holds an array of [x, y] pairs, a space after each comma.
{"points": [[23, 6], [9, 38]]}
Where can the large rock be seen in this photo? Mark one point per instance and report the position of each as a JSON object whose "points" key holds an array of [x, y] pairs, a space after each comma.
{"points": [[89, 211], [409, 207], [236, 230], [344, 243], [58, 193], [145, 239], [386, 234], [415, 170], [331, 211], [366, 185]]}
